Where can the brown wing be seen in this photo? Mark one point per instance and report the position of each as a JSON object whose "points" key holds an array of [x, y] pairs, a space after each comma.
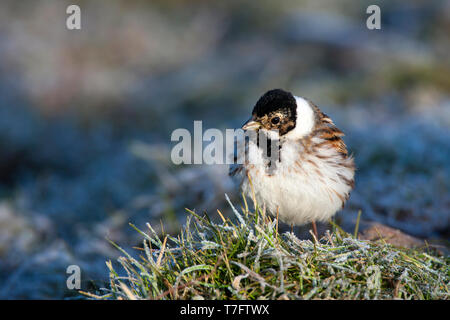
{"points": [[327, 130]]}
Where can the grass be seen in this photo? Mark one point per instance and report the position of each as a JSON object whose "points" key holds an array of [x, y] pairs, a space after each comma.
{"points": [[246, 258]]}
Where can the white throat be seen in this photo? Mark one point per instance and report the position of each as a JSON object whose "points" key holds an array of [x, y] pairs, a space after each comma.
{"points": [[305, 120]]}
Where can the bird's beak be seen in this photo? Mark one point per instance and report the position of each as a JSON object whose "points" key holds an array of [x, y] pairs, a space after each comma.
{"points": [[251, 125]]}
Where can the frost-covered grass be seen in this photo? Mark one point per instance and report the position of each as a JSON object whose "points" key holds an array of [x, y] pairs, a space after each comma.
{"points": [[246, 258]]}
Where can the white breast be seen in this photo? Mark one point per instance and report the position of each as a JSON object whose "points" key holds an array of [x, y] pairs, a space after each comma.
{"points": [[309, 190]]}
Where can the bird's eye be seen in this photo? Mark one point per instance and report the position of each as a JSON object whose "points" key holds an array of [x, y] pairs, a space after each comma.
{"points": [[275, 120]]}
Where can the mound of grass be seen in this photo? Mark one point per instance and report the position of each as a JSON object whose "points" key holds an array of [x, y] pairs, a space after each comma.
{"points": [[249, 259]]}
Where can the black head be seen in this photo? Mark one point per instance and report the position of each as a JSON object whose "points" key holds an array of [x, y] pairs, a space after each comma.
{"points": [[275, 110], [275, 100]]}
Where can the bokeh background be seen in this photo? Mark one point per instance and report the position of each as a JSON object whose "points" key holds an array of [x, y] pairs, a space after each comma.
{"points": [[86, 117]]}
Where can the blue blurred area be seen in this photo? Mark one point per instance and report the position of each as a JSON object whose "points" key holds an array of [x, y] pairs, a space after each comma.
{"points": [[86, 117]]}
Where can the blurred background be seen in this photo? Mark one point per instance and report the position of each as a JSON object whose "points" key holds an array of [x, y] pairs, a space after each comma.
{"points": [[86, 117]]}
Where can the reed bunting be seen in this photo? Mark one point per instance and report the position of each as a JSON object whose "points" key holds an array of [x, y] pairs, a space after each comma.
{"points": [[309, 176]]}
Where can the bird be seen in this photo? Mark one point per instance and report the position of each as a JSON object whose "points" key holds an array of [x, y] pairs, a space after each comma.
{"points": [[310, 175]]}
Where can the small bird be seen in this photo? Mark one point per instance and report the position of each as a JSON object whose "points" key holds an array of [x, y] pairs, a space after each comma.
{"points": [[311, 175]]}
